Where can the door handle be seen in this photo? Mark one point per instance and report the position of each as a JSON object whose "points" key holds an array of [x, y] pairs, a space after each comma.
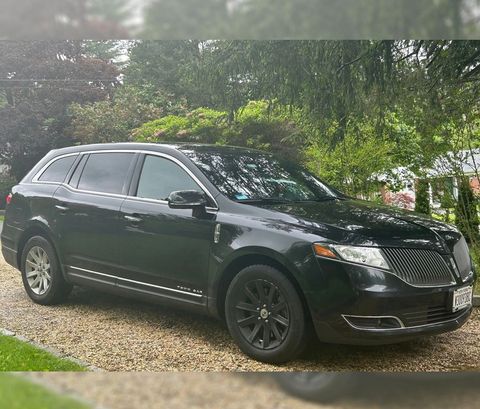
{"points": [[63, 209], [133, 219]]}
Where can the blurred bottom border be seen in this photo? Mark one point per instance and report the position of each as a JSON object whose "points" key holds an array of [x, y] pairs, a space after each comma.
{"points": [[241, 390]]}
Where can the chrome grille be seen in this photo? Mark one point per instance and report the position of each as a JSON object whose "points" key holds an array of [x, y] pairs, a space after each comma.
{"points": [[462, 257], [419, 267]]}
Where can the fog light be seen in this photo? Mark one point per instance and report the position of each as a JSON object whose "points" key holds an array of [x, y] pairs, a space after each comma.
{"points": [[373, 323]]}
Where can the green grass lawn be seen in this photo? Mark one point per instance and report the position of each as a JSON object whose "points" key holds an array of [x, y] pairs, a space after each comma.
{"points": [[17, 393], [21, 356], [2, 218]]}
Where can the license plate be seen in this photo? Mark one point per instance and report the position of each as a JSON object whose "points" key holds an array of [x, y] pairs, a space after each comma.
{"points": [[462, 298]]}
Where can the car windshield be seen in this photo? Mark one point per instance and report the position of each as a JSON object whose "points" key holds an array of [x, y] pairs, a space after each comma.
{"points": [[249, 176]]}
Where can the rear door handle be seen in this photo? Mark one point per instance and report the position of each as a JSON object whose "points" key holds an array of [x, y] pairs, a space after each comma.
{"points": [[62, 208], [133, 219]]}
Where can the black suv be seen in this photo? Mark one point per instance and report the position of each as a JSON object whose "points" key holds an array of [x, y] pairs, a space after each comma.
{"points": [[241, 235]]}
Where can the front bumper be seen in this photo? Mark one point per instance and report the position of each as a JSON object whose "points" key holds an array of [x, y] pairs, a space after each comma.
{"points": [[353, 297]]}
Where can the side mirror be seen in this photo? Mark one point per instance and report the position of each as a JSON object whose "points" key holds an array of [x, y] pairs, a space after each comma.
{"points": [[187, 199]]}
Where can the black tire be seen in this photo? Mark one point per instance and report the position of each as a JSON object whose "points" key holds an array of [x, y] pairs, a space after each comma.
{"points": [[321, 387], [58, 289], [273, 334]]}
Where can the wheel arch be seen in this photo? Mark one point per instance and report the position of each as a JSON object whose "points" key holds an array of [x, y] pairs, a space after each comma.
{"points": [[36, 228], [249, 257]]}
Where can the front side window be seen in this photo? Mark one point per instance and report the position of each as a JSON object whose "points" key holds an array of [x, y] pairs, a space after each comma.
{"points": [[160, 177], [249, 176], [106, 172], [58, 170]]}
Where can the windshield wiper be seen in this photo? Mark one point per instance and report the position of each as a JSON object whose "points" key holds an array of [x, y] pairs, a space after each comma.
{"points": [[326, 199], [266, 200]]}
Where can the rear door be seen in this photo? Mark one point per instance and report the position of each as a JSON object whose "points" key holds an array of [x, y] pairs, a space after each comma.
{"points": [[166, 251], [87, 215]]}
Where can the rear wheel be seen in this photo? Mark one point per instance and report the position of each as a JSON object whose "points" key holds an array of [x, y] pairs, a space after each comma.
{"points": [[265, 315], [41, 274]]}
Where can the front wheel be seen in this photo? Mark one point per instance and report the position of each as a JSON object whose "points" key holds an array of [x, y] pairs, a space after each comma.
{"points": [[42, 278], [265, 315]]}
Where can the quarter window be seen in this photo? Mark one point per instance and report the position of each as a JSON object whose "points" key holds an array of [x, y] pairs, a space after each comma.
{"points": [[106, 172], [160, 177], [57, 171]]}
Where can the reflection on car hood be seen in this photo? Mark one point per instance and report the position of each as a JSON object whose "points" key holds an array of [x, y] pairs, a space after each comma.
{"points": [[357, 220]]}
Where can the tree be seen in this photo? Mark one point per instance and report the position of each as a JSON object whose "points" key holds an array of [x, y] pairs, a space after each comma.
{"points": [[173, 19], [114, 120], [300, 19], [466, 212], [39, 81], [170, 66], [53, 19], [422, 197]]}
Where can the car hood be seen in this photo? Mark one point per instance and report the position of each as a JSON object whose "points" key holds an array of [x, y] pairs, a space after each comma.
{"points": [[365, 223]]}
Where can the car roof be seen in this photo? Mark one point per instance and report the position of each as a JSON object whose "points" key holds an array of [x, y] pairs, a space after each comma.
{"points": [[159, 147]]}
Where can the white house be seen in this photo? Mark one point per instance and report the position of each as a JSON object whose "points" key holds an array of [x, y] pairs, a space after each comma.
{"points": [[441, 177]]}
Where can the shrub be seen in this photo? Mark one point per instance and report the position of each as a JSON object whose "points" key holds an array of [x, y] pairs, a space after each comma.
{"points": [[202, 125], [254, 126]]}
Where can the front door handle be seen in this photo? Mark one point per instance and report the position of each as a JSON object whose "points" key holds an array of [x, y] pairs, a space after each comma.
{"points": [[133, 219], [63, 209]]}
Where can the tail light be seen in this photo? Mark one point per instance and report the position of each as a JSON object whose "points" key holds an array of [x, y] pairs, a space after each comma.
{"points": [[8, 199]]}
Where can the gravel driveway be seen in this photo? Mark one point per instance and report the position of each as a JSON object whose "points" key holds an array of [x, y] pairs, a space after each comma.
{"points": [[116, 334], [258, 391]]}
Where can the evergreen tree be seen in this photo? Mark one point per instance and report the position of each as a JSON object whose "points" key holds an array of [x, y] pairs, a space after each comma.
{"points": [[422, 200], [466, 213]]}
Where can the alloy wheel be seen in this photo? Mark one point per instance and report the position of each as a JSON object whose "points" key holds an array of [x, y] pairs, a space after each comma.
{"points": [[38, 270], [262, 314]]}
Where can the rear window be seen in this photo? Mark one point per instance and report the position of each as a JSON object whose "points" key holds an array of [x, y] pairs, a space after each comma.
{"points": [[58, 170], [106, 172]]}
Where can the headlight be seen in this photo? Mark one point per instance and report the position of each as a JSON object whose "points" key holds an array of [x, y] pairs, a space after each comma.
{"points": [[369, 256]]}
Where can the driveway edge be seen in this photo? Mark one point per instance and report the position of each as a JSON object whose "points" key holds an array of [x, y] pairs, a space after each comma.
{"points": [[50, 350], [476, 300]]}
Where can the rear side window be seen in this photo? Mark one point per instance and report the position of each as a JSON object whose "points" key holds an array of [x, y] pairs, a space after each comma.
{"points": [[160, 177], [106, 172], [58, 170]]}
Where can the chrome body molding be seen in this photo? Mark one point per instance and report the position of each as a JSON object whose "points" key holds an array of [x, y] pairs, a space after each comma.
{"points": [[346, 318], [158, 287], [403, 328]]}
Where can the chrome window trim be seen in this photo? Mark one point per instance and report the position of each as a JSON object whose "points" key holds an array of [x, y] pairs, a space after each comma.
{"points": [[135, 198], [453, 283], [39, 174], [134, 282]]}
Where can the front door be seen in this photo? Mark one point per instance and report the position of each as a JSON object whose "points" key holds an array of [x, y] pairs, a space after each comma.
{"points": [[166, 251]]}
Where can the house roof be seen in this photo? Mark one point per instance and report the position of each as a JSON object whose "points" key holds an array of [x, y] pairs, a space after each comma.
{"points": [[463, 162], [466, 162]]}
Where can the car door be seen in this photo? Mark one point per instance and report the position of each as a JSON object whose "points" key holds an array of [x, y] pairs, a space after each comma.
{"points": [[87, 215], [166, 250]]}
